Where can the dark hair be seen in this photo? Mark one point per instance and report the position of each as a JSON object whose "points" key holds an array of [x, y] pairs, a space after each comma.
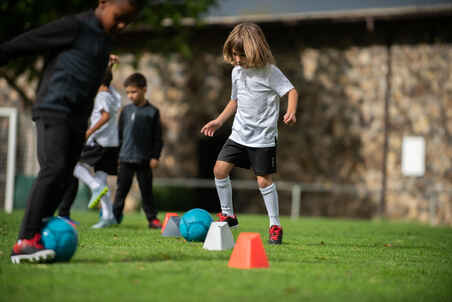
{"points": [[108, 77], [135, 79], [138, 4]]}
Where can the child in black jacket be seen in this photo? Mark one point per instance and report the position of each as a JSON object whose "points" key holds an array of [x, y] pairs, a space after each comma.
{"points": [[78, 49], [140, 139]]}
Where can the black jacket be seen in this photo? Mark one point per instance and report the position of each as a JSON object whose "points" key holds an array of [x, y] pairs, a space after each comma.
{"points": [[140, 134], [77, 50]]}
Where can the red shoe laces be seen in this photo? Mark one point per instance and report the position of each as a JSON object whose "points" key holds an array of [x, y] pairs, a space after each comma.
{"points": [[156, 221], [224, 217], [35, 241], [275, 231]]}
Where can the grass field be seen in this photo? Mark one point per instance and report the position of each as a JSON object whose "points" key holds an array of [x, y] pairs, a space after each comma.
{"points": [[320, 260]]}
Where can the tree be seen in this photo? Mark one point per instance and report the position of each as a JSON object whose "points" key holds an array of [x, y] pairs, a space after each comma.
{"points": [[17, 16]]}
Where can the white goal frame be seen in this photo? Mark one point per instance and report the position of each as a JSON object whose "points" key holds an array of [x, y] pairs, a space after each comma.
{"points": [[11, 114]]}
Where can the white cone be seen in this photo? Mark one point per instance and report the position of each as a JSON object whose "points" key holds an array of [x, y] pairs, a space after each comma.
{"points": [[172, 227], [219, 237]]}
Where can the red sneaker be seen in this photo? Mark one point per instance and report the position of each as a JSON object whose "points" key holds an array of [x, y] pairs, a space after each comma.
{"points": [[275, 234], [31, 250], [231, 220], [155, 224]]}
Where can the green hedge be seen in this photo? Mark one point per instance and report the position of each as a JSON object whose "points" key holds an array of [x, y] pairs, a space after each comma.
{"points": [[166, 198], [23, 184]]}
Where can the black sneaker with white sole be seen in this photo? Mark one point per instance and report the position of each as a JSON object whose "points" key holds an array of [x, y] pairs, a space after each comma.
{"points": [[275, 234], [31, 250], [231, 220]]}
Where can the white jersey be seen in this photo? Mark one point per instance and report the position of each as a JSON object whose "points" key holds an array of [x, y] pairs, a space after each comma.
{"points": [[257, 92], [107, 135]]}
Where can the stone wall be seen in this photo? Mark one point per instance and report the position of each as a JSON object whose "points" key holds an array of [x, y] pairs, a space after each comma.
{"points": [[341, 73], [421, 106]]}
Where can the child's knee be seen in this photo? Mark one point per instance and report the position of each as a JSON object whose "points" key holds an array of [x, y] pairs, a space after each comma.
{"points": [[220, 171], [264, 181]]}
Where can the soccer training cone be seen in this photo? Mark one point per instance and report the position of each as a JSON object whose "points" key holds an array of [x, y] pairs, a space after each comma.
{"points": [[172, 227], [219, 237], [167, 217], [248, 252]]}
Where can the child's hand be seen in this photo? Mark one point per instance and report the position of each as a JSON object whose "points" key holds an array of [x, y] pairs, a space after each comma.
{"points": [[114, 59], [154, 163], [210, 128], [289, 118], [88, 134]]}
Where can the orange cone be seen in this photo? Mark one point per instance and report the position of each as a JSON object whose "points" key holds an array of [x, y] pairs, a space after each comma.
{"points": [[167, 217], [248, 252]]}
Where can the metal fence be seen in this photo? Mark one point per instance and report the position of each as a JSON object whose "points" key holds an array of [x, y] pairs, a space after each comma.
{"points": [[297, 189]]}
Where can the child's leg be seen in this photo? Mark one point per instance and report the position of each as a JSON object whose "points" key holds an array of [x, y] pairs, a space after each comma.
{"points": [[107, 205], [124, 181], [68, 198], [270, 195], [83, 173], [145, 178], [59, 146], [223, 185]]}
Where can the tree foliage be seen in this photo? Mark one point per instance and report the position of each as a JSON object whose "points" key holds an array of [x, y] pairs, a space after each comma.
{"points": [[18, 16]]}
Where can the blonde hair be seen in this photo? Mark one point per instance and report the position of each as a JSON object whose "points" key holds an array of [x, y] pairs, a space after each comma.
{"points": [[248, 38]]}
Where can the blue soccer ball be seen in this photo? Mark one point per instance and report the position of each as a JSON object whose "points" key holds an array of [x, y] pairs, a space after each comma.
{"points": [[195, 224], [60, 235]]}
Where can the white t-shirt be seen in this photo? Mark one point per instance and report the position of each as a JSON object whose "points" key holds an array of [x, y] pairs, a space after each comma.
{"points": [[257, 91], [107, 135]]}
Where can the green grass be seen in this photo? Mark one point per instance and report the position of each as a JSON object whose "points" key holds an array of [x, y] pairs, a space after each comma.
{"points": [[320, 260]]}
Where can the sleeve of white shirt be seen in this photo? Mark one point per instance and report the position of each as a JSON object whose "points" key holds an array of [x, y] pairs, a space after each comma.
{"points": [[103, 101], [279, 82], [234, 75]]}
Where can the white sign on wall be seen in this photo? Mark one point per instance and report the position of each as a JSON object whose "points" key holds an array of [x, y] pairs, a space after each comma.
{"points": [[413, 156]]}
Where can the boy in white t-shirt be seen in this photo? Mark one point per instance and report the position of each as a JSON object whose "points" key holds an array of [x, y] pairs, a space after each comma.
{"points": [[100, 153], [257, 86]]}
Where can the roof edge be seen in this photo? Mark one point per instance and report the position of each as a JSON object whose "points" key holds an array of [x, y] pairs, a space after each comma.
{"points": [[375, 13], [371, 14]]}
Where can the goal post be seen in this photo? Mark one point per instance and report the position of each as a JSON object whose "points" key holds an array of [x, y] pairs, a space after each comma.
{"points": [[11, 114]]}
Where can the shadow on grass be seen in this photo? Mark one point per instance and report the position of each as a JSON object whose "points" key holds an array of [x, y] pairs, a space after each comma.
{"points": [[121, 228], [160, 257], [130, 227], [374, 245]]}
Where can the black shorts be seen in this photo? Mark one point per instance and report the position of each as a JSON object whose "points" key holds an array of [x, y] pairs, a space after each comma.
{"points": [[101, 158], [261, 160]]}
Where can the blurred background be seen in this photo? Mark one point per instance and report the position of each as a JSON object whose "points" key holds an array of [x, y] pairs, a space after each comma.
{"points": [[374, 127]]}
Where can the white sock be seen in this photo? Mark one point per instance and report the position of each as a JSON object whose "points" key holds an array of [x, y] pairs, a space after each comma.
{"points": [[224, 190], [83, 173], [270, 196], [105, 201], [107, 206], [101, 178]]}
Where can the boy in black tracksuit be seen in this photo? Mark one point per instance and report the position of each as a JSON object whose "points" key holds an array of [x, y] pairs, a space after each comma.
{"points": [[140, 139], [77, 49]]}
